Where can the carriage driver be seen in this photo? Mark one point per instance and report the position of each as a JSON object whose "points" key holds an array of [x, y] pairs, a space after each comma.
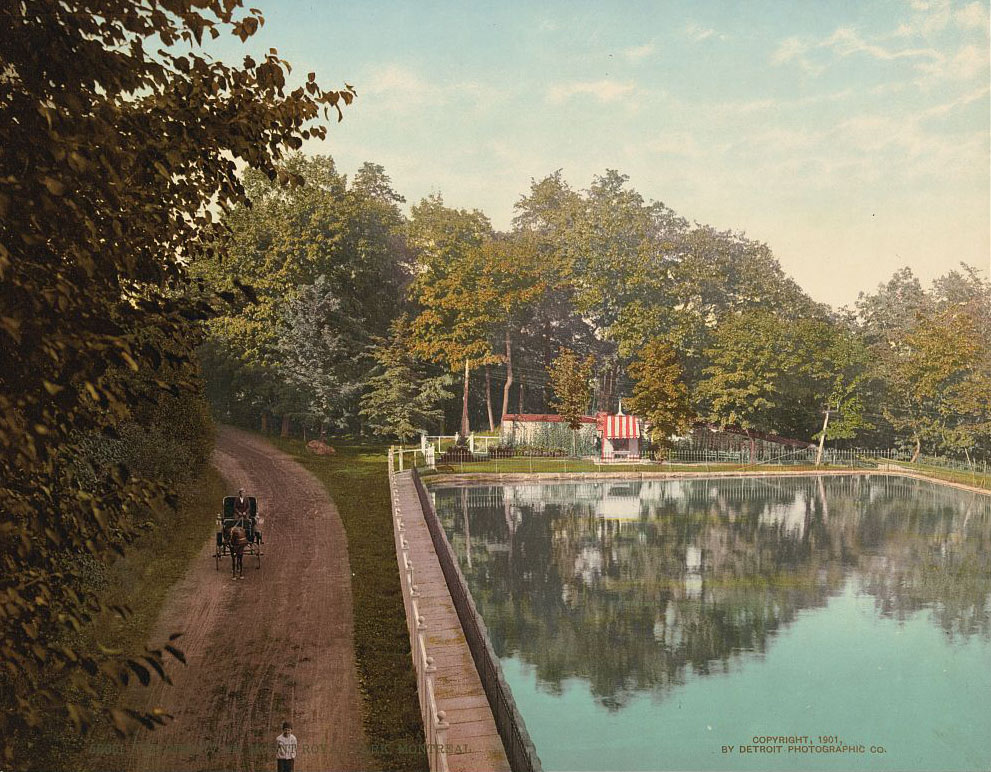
{"points": [[242, 506]]}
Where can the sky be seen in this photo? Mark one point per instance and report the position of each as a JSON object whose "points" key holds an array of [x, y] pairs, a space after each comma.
{"points": [[851, 137]]}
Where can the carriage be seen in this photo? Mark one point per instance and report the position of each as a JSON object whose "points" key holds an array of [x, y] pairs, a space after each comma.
{"points": [[227, 521]]}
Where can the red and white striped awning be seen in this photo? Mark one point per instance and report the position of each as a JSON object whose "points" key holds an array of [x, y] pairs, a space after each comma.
{"points": [[620, 427]]}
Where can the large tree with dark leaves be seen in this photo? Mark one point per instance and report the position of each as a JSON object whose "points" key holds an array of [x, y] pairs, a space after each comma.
{"points": [[119, 139]]}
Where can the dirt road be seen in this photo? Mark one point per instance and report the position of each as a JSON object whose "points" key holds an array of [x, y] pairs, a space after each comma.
{"points": [[275, 646]]}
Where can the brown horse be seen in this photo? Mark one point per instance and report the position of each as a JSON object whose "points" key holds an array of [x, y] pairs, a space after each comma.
{"points": [[237, 540]]}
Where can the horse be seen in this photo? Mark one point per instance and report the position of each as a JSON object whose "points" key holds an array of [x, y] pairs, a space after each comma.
{"points": [[237, 540]]}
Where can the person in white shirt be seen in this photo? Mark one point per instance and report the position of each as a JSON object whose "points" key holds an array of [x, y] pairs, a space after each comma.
{"points": [[285, 753]]}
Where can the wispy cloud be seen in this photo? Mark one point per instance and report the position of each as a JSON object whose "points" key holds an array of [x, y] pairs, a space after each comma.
{"points": [[697, 32], [962, 101], [846, 41], [600, 90], [795, 50], [639, 52], [932, 16], [398, 89], [965, 64], [681, 143], [973, 16], [396, 80]]}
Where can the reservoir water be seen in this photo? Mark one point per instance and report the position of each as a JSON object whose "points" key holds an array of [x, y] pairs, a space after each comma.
{"points": [[744, 624]]}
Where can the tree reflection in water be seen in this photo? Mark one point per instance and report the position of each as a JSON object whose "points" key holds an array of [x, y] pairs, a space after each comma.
{"points": [[628, 584]]}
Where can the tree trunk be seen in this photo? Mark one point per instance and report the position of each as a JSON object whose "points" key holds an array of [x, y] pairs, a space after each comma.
{"points": [[609, 380], [465, 430], [522, 389], [264, 422], [822, 438], [917, 451], [488, 397], [285, 426], [509, 375], [548, 356]]}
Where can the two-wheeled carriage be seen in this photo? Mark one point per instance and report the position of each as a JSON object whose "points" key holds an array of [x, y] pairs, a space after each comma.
{"points": [[231, 520]]}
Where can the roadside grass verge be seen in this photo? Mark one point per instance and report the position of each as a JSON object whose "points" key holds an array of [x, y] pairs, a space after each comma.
{"points": [[975, 478], [356, 477], [141, 581]]}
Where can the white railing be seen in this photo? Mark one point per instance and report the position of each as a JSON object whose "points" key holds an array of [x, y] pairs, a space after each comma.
{"points": [[402, 458], [441, 442], [435, 725]]}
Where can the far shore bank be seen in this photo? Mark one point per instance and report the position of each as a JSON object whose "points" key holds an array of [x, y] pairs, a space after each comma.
{"points": [[480, 478]]}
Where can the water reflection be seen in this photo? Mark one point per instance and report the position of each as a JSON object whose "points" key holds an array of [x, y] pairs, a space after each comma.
{"points": [[632, 586]]}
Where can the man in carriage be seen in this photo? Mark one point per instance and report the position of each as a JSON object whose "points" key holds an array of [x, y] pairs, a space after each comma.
{"points": [[238, 532], [242, 505]]}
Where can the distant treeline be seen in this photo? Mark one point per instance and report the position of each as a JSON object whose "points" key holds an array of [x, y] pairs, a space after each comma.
{"points": [[359, 319]]}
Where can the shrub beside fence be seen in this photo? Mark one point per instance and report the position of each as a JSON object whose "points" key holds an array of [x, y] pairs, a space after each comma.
{"points": [[520, 750]]}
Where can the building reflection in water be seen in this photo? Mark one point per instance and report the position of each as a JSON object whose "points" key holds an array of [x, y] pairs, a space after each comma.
{"points": [[632, 585]]}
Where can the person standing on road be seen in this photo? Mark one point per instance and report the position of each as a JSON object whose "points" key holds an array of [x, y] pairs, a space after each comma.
{"points": [[285, 754]]}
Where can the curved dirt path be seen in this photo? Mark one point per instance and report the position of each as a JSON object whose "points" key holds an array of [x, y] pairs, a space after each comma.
{"points": [[275, 646]]}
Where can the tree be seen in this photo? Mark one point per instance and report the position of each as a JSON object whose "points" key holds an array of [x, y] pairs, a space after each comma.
{"points": [[507, 278], [319, 353], [453, 325], [750, 356], [659, 392], [401, 399], [571, 380], [631, 270], [929, 350], [836, 374], [119, 144], [891, 313], [942, 382], [778, 374], [347, 236]]}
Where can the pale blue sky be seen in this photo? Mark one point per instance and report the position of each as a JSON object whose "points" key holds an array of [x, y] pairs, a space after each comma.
{"points": [[852, 137]]}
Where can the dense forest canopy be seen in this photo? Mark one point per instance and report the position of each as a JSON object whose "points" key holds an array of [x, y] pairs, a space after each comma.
{"points": [[688, 321]]}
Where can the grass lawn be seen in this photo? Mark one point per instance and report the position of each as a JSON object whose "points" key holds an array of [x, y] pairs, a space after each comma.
{"points": [[569, 465], [356, 478], [975, 478]]}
